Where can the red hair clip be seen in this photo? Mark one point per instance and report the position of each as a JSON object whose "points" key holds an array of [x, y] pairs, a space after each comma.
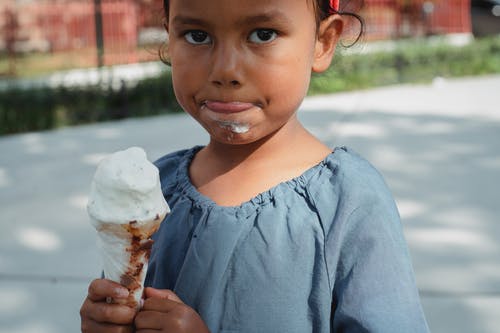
{"points": [[334, 6]]}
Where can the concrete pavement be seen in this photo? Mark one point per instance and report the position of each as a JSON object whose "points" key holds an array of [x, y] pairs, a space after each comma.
{"points": [[437, 146]]}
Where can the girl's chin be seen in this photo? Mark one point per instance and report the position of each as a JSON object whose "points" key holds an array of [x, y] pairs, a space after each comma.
{"points": [[234, 127], [231, 136], [230, 129]]}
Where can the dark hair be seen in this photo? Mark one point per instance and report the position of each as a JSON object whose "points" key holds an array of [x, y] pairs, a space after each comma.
{"points": [[322, 8], [347, 8]]}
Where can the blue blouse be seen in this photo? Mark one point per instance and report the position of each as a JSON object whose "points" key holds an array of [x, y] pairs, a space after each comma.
{"points": [[323, 252]]}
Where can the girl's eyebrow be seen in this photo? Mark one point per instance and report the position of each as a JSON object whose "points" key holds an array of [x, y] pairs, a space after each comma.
{"points": [[275, 16], [186, 20]]}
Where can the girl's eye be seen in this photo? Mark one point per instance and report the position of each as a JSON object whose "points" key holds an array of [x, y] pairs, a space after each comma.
{"points": [[197, 37], [261, 36]]}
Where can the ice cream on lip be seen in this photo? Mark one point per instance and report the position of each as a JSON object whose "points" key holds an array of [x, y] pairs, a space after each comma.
{"points": [[231, 115], [126, 206]]}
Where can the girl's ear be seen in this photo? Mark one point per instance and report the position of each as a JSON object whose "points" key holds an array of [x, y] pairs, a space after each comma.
{"points": [[329, 33]]}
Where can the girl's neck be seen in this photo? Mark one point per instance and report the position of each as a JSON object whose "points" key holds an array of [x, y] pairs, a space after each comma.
{"points": [[232, 174], [274, 146]]}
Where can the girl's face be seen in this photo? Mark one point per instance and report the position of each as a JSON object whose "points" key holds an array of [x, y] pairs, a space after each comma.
{"points": [[242, 68]]}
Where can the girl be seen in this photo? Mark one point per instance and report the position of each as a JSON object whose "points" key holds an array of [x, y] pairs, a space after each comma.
{"points": [[270, 230]]}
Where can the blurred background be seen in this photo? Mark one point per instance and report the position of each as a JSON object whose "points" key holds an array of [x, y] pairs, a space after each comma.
{"points": [[68, 62], [417, 96]]}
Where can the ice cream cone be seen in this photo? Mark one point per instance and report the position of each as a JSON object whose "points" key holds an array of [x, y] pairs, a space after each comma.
{"points": [[125, 251], [126, 206]]}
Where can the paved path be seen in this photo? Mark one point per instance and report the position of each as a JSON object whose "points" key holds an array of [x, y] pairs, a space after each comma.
{"points": [[437, 145]]}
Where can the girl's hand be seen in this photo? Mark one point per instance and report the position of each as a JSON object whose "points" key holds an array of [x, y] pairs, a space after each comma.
{"points": [[98, 316], [163, 311]]}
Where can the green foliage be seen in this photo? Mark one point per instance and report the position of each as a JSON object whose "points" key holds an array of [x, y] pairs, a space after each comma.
{"points": [[409, 62], [42, 108], [45, 108]]}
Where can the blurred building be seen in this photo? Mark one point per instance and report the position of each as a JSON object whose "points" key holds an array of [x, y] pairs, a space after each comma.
{"points": [[65, 25], [406, 18], [130, 25]]}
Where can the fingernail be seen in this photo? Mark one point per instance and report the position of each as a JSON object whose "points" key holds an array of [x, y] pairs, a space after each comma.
{"points": [[141, 303], [121, 292]]}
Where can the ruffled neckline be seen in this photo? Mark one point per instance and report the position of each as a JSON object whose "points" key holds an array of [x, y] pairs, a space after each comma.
{"points": [[298, 184]]}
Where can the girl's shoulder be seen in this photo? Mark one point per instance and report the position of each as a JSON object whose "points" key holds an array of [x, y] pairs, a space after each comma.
{"points": [[352, 172], [348, 182]]}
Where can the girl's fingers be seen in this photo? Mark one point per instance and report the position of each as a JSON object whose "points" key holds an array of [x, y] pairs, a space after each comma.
{"points": [[160, 304], [112, 313], [149, 320], [94, 327], [167, 315], [106, 313], [146, 330], [100, 289], [161, 293]]}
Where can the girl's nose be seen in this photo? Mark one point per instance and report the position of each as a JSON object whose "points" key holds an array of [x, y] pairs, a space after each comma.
{"points": [[226, 67]]}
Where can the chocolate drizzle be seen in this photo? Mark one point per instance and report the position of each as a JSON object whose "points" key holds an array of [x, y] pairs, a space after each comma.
{"points": [[137, 235], [140, 251]]}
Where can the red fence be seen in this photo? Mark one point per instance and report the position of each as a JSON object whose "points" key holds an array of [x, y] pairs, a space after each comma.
{"points": [[403, 18], [60, 26], [55, 26]]}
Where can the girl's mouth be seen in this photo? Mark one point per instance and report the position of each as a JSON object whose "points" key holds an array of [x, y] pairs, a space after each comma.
{"points": [[227, 107], [229, 115]]}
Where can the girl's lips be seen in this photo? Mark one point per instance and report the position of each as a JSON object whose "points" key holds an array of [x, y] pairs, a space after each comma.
{"points": [[227, 107]]}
